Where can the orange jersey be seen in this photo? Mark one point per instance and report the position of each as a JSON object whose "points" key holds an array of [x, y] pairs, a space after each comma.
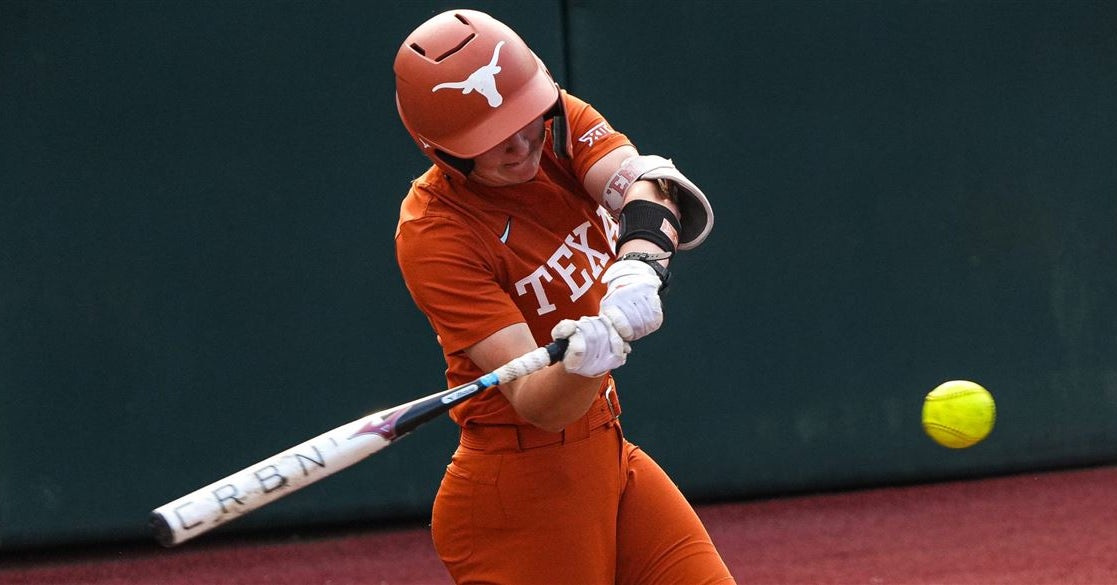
{"points": [[477, 259]]}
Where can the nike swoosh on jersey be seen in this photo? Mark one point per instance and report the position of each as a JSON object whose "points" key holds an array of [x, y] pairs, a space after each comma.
{"points": [[507, 228]]}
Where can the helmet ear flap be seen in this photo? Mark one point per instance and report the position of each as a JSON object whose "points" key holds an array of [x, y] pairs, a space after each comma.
{"points": [[461, 165], [560, 130]]}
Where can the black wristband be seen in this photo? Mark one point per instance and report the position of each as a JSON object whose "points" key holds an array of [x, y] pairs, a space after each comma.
{"points": [[644, 220], [652, 260]]}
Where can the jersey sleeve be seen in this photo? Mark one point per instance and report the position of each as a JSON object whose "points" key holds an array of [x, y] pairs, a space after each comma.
{"points": [[591, 135], [452, 284]]}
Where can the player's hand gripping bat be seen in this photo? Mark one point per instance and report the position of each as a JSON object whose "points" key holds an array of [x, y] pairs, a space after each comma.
{"points": [[260, 484]]}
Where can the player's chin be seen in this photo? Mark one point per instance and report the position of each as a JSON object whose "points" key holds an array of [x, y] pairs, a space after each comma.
{"points": [[508, 174], [522, 171]]}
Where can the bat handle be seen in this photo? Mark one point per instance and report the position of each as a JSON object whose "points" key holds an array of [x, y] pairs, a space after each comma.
{"points": [[556, 349]]}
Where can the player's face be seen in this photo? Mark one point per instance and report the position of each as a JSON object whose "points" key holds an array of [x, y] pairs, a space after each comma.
{"points": [[514, 161]]}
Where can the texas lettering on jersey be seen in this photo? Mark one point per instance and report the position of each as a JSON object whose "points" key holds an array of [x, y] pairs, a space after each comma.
{"points": [[561, 264]]}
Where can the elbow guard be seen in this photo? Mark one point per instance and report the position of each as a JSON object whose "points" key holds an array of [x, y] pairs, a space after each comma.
{"points": [[697, 216]]}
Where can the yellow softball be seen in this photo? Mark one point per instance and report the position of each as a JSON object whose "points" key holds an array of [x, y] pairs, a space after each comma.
{"points": [[958, 414]]}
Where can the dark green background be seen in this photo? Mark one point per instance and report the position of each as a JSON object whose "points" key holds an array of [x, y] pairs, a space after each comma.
{"points": [[197, 203]]}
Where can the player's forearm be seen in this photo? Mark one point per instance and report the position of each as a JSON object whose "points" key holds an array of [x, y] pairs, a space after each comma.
{"points": [[603, 171], [647, 191], [552, 398]]}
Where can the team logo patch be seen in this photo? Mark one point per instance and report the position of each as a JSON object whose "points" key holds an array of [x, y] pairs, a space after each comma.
{"points": [[482, 81], [596, 133]]}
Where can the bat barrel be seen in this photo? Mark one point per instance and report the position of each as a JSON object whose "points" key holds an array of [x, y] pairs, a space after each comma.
{"points": [[161, 528], [255, 486]]}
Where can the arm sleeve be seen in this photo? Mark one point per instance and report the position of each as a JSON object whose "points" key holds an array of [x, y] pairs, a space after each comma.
{"points": [[591, 135]]}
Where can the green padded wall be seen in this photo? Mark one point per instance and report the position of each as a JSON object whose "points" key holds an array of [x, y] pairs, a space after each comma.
{"points": [[197, 203], [907, 193]]}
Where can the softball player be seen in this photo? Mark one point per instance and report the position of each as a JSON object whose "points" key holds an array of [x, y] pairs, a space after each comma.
{"points": [[538, 221]]}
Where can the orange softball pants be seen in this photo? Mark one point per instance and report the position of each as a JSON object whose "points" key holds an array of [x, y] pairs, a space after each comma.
{"points": [[519, 506]]}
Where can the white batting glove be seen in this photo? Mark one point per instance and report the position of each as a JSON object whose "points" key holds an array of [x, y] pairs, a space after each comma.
{"points": [[632, 299], [595, 346]]}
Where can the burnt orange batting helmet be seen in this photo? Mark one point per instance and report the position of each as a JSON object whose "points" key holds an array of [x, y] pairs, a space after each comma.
{"points": [[465, 82]]}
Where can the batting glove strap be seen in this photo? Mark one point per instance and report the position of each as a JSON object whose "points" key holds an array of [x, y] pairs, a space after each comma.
{"points": [[652, 260]]}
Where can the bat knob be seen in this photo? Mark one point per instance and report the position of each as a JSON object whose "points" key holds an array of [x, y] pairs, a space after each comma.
{"points": [[556, 349]]}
